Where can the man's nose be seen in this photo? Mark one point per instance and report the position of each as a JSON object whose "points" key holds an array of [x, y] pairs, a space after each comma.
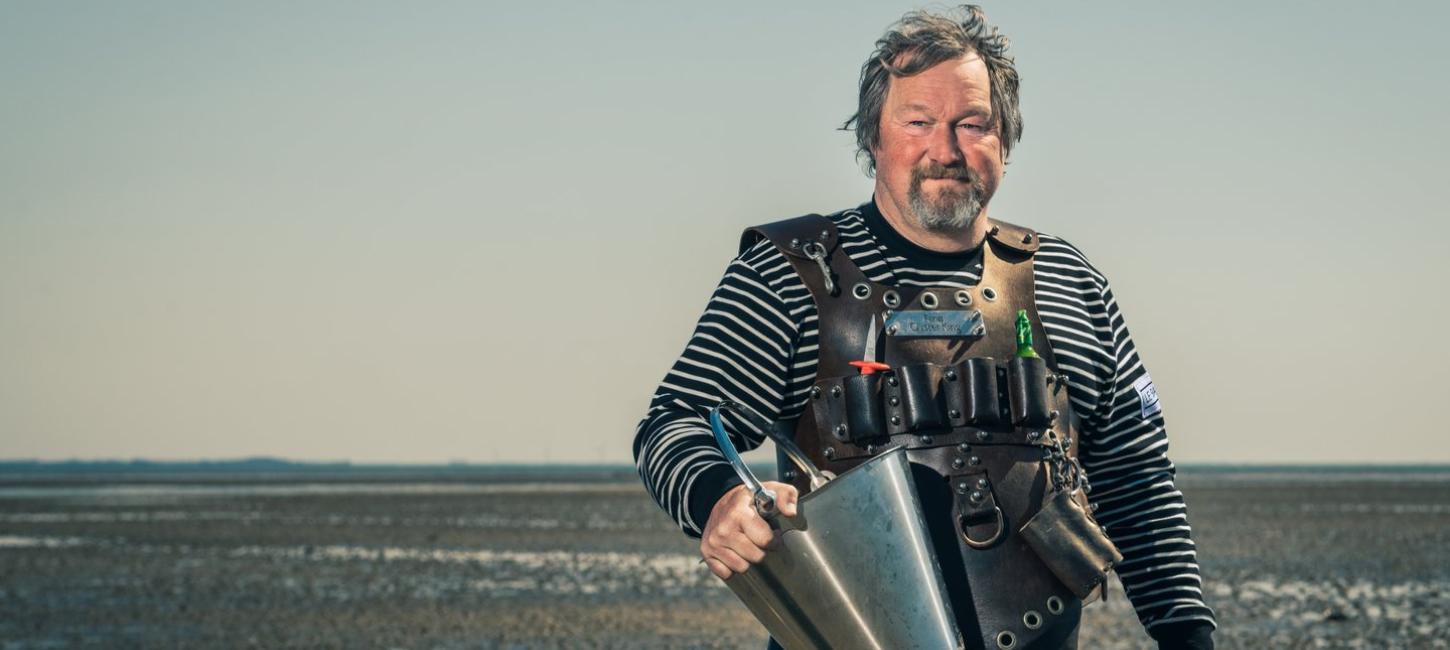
{"points": [[943, 148]]}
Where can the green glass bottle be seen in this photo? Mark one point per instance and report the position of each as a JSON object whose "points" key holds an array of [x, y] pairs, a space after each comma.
{"points": [[1024, 336]]}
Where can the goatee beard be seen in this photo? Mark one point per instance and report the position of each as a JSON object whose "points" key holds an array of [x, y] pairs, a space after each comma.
{"points": [[952, 210]]}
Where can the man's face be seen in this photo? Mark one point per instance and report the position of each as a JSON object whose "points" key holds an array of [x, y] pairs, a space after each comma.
{"points": [[940, 157]]}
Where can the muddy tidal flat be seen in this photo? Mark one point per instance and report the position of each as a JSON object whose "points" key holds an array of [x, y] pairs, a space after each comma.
{"points": [[561, 558]]}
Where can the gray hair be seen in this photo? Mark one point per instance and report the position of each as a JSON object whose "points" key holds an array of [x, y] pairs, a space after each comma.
{"points": [[921, 40]]}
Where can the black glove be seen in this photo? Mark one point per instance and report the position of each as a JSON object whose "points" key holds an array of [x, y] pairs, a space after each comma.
{"points": [[1187, 635]]}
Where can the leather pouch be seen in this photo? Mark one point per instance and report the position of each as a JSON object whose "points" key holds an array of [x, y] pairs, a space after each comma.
{"points": [[1027, 392], [863, 407], [1071, 544]]}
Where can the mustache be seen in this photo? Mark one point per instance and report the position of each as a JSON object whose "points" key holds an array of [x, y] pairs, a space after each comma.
{"points": [[940, 171]]}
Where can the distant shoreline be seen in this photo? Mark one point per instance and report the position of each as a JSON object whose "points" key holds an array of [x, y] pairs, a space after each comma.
{"points": [[267, 465]]}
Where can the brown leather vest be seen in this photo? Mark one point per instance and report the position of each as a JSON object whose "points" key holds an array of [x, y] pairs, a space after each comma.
{"points": [[975, 421]]}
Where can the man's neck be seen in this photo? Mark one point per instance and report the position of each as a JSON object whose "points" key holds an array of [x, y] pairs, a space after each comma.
{"points": [[965, 238]]}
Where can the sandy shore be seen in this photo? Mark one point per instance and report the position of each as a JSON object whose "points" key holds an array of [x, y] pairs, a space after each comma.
{"points": [[1334, 561]]}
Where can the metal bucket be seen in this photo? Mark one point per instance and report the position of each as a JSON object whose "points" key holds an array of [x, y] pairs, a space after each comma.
{"points": [[854, 568]]}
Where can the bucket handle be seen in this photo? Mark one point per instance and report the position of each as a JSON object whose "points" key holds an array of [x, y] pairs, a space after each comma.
{"points": [[764, 499]]}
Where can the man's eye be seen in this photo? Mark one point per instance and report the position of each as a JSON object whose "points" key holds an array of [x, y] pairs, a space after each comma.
{"points": [[917, 123], [971, 127]]}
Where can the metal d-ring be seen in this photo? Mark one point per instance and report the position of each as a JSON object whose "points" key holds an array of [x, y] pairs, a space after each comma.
{"points": [[1001, 528]]}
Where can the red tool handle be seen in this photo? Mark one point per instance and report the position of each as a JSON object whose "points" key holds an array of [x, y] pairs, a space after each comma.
{"points": [[870, 367]]}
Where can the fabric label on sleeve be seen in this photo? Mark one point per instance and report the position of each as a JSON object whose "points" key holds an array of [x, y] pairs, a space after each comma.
{"points": [[1147, 395]]}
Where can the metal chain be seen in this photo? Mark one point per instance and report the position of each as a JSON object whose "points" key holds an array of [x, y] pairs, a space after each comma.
{"points": [[1067, 472]]}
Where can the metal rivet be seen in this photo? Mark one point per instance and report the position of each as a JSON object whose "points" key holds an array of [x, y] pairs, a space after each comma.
{"points": [[1093, 507], [1006, 640], [974, 460], [825, 234], [815, 392], [977, 495], [841, 430], [891, 298], [861, 290], [954, 414], [928, 300], [963, 298], [895, 420], [894, 401], [835, 391], [958, 463], [951, 375], [1052, 417], [1033, 436], [830, 453], [1032, 620], [788, 475], [982, 483], [963, 447], [892, 381], [1054, 605], [983, 435], [892, 329], [870, 449], [1051, 378], [962, 487], [795, 242], [989, 294], [926, 440], [979, 330]]}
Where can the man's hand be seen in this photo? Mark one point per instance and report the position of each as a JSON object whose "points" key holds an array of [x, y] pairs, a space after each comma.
{"points": [[736, 537]]}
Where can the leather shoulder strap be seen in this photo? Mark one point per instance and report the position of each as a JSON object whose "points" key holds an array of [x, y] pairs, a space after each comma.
{"points": [[790, 235], [1018, 239]]}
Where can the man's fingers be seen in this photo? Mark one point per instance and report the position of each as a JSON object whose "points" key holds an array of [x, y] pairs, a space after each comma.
{"points": [[730, 559], [785, 497], [758, 532], [718, 568]]}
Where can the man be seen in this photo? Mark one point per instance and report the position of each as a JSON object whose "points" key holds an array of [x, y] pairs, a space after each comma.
{"points": [[936, 120]]}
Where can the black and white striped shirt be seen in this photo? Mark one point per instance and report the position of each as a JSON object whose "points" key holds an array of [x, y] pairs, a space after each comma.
{"points": [[757, 343]]}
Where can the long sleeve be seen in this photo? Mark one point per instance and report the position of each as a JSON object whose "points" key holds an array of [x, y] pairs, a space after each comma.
{"points": [[741, 350], [1126, 458]]}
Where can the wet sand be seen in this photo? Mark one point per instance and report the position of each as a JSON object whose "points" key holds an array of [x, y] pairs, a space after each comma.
{"points": [[1342, 560]]}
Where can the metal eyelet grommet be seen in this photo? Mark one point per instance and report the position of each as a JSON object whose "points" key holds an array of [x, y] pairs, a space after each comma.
{"points": [[1032, 620], [1006, 640], [1054, 605], [891, 298], [989, 294], [964, 298], [928, 300], [861, 290]]}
